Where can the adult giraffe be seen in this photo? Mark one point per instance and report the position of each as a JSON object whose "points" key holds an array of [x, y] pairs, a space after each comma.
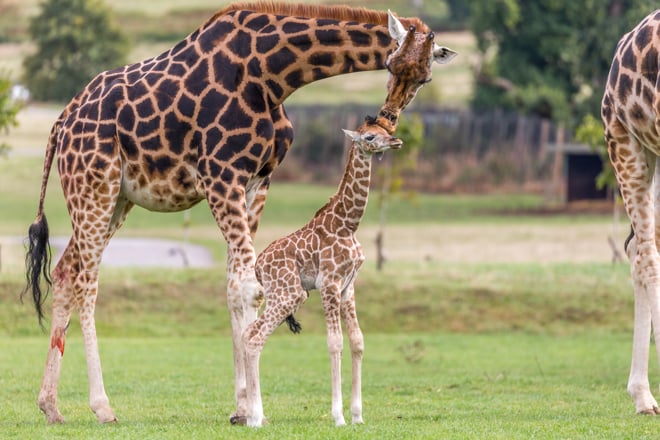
{"points": [[203, 120], [631, 116]]}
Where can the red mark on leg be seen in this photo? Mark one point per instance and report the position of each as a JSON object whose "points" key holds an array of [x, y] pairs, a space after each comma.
{"points": [[57, 340]]}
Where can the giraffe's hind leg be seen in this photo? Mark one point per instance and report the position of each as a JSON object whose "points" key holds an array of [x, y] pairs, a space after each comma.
{"points": [[244, 293], [97, 210], [63, 303]]}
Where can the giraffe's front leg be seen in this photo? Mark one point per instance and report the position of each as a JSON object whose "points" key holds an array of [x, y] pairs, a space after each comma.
{"points": [[356, 341], [244, 293], [253, 340], [86, 289], [244, 297]]}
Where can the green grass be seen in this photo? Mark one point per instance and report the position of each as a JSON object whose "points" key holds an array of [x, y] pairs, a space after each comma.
{"points": [[495, 386], [454, 350], [288, 204]]}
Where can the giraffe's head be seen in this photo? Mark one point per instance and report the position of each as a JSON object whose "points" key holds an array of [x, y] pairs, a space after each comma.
{"points": [[410, 68], [371, 138]]}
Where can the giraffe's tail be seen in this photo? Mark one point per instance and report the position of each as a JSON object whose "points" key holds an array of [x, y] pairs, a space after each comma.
{"points": [[294, 325], [37, 264], [38, 256]]}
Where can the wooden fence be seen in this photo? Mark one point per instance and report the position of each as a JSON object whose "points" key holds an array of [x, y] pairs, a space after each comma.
{"points": [[462, 151]]}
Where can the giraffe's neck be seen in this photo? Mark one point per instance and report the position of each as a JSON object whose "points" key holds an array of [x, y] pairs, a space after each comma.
{"points": [[350, 201], [275, 54]]}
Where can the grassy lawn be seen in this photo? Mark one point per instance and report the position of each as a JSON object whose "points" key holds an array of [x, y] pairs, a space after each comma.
{"points": [[457, 346], [489, 386]]}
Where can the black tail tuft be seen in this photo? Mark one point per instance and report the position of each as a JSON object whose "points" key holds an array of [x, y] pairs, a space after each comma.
{"points": [[37, 264], [294, 325]]}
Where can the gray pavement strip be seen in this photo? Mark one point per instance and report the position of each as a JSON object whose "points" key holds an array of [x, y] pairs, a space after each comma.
{"points": [[143, 252]]}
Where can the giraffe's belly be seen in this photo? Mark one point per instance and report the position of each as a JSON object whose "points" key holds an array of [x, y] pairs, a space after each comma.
{"points": [[170, 191], [343, 267]]}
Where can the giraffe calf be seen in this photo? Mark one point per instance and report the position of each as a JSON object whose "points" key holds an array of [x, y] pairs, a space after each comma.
{"points": [[325, 255]]}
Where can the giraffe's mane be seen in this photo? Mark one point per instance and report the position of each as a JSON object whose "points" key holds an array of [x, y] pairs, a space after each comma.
{"points": [[335, 12]]}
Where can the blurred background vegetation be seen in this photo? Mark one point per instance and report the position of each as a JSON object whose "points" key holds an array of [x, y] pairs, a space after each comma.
{"points": [[528, 74]]}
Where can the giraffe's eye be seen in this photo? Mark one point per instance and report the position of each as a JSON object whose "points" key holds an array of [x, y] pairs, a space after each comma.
{"points": [[370, 137]]}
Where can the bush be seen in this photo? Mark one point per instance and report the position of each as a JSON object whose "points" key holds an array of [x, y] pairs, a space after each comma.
{"points": [[75, 39]]}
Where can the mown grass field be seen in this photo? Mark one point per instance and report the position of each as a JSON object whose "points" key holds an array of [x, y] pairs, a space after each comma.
{"points": [[485, 386], [483, 324]]}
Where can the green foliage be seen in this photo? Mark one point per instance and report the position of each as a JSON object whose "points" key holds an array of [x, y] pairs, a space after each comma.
{"points": [[548, 57], [75, 40], [8, 110], [590, 132]]}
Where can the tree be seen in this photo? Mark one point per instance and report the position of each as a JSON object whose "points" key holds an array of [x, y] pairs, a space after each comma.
{"points": [[75, 39], [390, 177], [9, 108], [548, 57]]}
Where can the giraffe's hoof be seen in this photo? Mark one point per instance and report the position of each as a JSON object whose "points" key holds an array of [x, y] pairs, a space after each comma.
{"points": [[104, 413], [650, 411], [55, 419], [238, 420], [106, 418], [53, 415]]}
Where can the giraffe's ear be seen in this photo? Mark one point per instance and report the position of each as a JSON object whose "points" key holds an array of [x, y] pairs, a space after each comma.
{"points": [[352, 135], [397, 31], [442, 54]]}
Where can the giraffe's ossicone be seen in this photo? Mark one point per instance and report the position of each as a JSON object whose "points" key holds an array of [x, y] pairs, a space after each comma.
{"points": [[201, 121]]}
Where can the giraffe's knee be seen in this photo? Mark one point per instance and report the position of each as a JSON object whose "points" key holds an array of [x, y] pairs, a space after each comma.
{"points": [[335, 343], [356, 340], [245, 291], [253, 340], [645, 264]]}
